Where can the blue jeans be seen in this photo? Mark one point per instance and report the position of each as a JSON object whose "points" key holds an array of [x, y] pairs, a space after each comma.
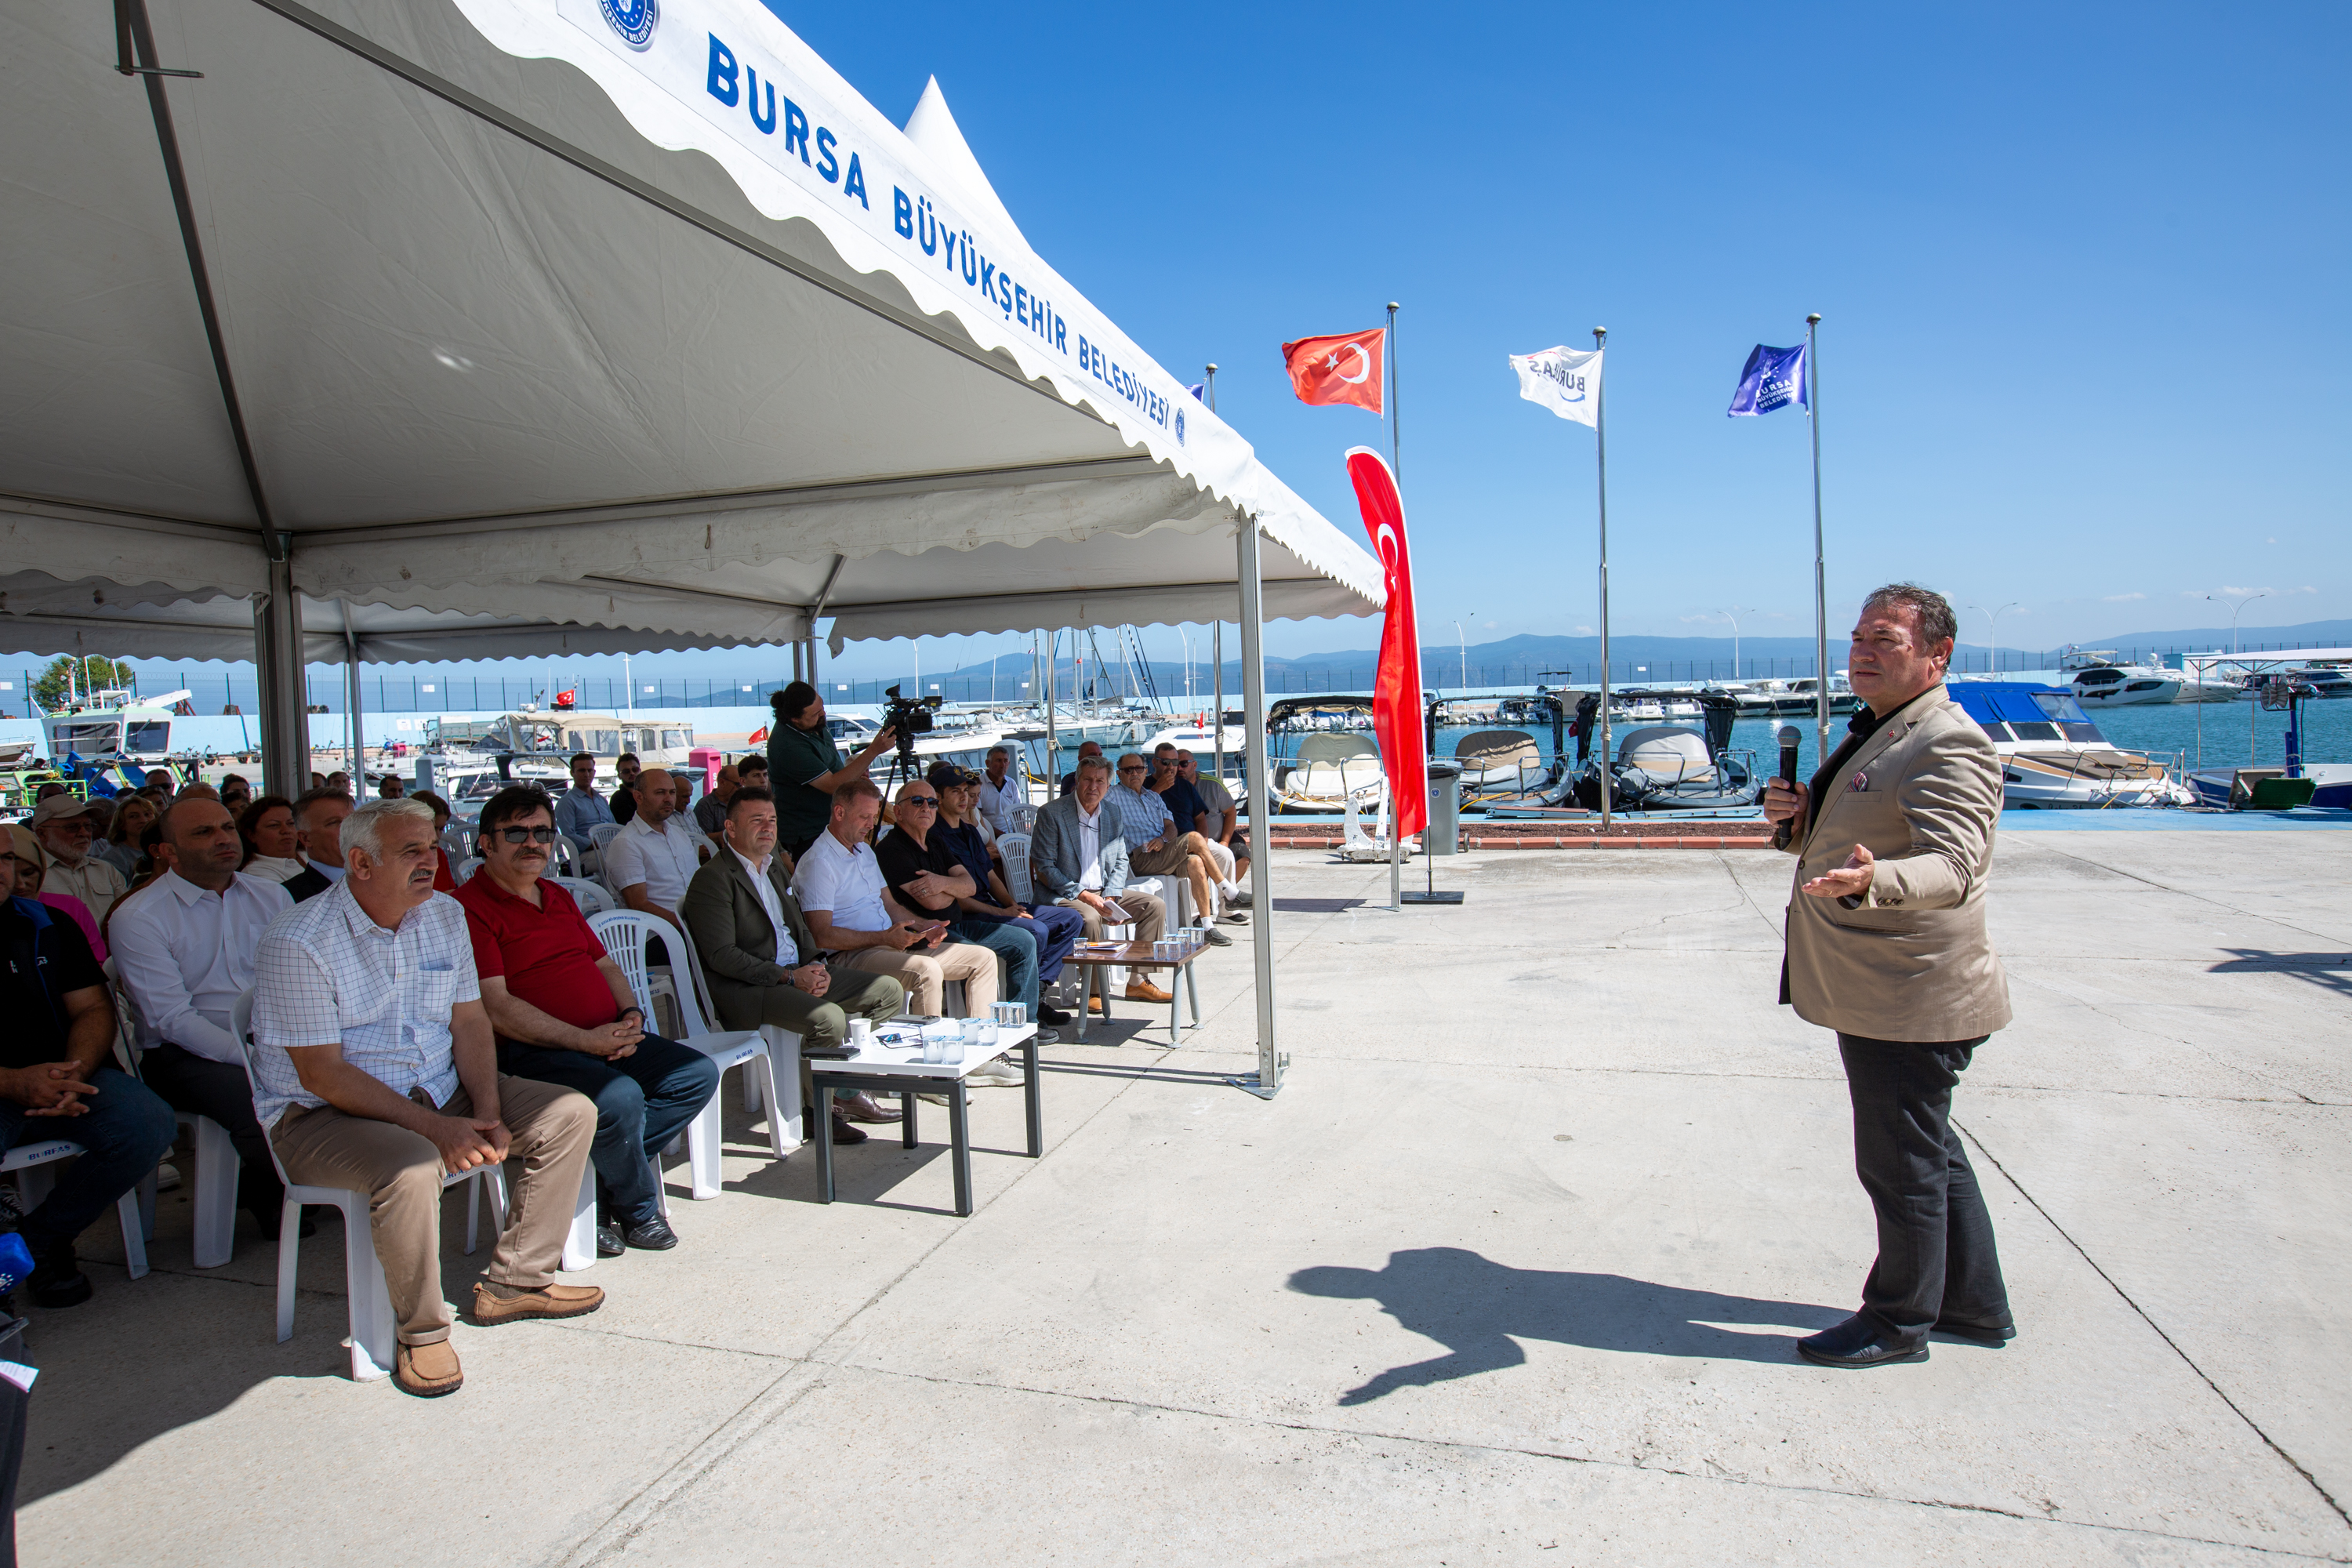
{"points": [[642, 1101], [127, 1129], [1014, 946], [1055, 929]]}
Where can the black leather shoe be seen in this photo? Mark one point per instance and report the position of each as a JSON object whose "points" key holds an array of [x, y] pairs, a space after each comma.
{"points": [[1054, 1016], [1859, 1341], [652, 1235], [608, 1239], [845, 1131], [1992, 1336], [56, 1281]]}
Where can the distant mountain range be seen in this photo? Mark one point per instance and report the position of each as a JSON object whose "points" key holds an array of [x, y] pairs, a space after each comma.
{"points": [[1526, 659]]}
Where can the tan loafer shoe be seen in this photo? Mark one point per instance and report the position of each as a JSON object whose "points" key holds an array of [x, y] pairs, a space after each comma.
{"points": [[1144, 991], [495, 1304], [428, 1371]]}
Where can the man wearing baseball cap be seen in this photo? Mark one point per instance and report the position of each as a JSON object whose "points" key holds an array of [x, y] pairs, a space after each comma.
{"points": [[68, 831]]}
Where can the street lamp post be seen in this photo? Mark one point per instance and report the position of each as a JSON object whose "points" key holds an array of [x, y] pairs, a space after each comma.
{"points": [[1733, 619], [2235, 609], [1993, 619], [1462, 646]]}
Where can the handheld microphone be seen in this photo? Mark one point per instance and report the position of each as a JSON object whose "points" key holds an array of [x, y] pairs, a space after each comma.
{"points": [[1790, 739]]}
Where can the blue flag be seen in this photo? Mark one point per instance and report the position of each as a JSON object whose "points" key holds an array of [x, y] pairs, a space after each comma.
{"points": [[1774, 378]]}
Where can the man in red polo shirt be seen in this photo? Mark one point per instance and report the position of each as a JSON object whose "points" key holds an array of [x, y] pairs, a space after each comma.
{"points": [[563, 1013]]}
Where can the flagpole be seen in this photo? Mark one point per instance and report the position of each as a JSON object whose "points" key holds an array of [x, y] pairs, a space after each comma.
{"points": [[1821, 586], [1600, 450], [1396, 466]]}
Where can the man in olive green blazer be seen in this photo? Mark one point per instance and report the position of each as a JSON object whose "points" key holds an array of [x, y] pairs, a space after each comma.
{"points": [[760, 973], [1887, 945]]}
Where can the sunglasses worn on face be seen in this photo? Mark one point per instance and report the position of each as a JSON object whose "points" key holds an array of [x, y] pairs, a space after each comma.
{"points": [[528, 835], [926, 801]]}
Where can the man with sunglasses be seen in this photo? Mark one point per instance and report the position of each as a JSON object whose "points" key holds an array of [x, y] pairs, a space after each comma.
{"points": [[1165, 846], [563, 1013], [923, 872]]}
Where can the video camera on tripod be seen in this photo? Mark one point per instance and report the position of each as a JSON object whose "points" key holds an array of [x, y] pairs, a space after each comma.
{"points": [[906, 718]]}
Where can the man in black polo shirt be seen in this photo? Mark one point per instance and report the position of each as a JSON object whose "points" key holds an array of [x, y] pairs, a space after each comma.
{"points": [[52, 1085], [924, 875], [804, 766]]}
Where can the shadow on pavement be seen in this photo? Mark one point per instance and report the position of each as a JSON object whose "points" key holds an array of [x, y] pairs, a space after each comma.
{"points": [[1480, 1309], [2330, 971]]}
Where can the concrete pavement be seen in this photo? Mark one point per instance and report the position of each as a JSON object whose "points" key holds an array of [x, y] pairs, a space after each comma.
{"points": [[1510, 1271]]}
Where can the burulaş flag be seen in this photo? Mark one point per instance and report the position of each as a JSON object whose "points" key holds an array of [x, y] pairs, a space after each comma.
{"points": [[1342, 369], [1773, 378], [1396, 694]]}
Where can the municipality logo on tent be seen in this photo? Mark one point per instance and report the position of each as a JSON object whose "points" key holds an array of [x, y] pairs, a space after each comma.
{"points": [[1180, 426], [633, 19]]}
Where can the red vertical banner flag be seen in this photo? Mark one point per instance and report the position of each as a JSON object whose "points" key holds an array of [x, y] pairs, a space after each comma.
{"points": [[1345, 368], [1396, 694]]}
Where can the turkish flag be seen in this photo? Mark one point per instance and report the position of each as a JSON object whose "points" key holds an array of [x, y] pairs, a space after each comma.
{"points": [[758, 737], [1396, 692], [1342, 369]]}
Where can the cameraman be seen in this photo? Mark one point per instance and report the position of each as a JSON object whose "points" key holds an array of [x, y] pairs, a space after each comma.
{"points": [[804, 766]]}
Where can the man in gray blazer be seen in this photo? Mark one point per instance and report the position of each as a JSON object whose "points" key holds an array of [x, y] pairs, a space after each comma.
{"points": [[757, 950], [1077, 854], [1887, 945]]}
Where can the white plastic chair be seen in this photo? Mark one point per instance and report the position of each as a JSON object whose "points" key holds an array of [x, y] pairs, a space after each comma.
{"points": [[31, 1161], [601, 837], [591, 897], [218, 1165], [374, 1334], [565, 858], [457, 842], [1014, 847], [466, 868], [624, 934]]}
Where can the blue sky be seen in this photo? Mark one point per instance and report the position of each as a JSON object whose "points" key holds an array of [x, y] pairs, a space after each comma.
{"points": [[2081, 268]]}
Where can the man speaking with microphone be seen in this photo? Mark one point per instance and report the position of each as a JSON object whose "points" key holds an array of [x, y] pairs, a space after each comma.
{"points": [[1886, 945]]}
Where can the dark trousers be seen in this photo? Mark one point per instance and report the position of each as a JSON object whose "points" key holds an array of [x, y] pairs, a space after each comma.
{"points": [[201, 1087], [643, 1100], [1015, 946], [1936, 1252], [126, 1130], [1055, 929]]}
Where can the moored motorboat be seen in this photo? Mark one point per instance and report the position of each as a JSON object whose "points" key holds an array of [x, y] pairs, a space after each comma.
{"points": [[2053, 755]]}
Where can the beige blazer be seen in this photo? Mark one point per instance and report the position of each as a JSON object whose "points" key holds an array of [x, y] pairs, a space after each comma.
{"points": [[1912, 960]]}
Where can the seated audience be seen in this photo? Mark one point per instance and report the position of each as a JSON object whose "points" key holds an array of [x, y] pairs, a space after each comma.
{"points": [[1190, 810], [32, 882], [236, 792], [57, 1079], [376, 1070], [1085, 749], [185, 948], [625, 794], [751, 773], [563, 1013], [760, 955], [1157, 845], [319, 825], [1223, 829], [806, 767], [580, 809], [1054, 929], [273, 847], [652, 858], [339, 782], [1078, 853], [858, 925], [926, 879], [445, 878], [390, 787], [710, 811], [1002, 793], [63, 826], [119, 848]]}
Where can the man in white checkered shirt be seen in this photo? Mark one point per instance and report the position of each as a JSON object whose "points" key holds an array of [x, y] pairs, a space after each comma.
{"points": [[376, 1072]]}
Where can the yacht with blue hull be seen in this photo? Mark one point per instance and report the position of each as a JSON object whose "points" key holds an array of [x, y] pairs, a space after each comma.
{"points": [[2051, 755]]}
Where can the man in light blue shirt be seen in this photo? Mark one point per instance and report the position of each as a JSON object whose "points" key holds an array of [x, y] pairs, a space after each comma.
{"points": [[1159, 846], [581, 807]]}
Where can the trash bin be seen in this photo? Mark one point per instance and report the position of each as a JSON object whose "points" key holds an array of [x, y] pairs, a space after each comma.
{"points": [[1444, 833]]}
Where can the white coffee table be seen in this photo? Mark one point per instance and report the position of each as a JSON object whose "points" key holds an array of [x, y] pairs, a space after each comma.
{"points": [[881, 1069]]}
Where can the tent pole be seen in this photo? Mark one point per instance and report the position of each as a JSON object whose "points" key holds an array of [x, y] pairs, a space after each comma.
{"points": [[1217, 655], [351, 704], [1052, 746], [278, 660], [1266, 1082]]}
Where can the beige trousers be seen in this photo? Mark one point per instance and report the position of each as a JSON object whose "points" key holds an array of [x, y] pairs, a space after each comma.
{"points": [[1149, 913], [552, 1129], [925, 975]]}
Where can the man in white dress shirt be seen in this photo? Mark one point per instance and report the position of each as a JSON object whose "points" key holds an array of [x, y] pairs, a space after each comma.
{"points": [[856, 921], [1001, 792], [376, 1071], [651, 860], [186, 947]]}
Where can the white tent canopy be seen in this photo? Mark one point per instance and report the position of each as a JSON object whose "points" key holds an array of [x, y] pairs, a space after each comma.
{"points": [[532, 335]]}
